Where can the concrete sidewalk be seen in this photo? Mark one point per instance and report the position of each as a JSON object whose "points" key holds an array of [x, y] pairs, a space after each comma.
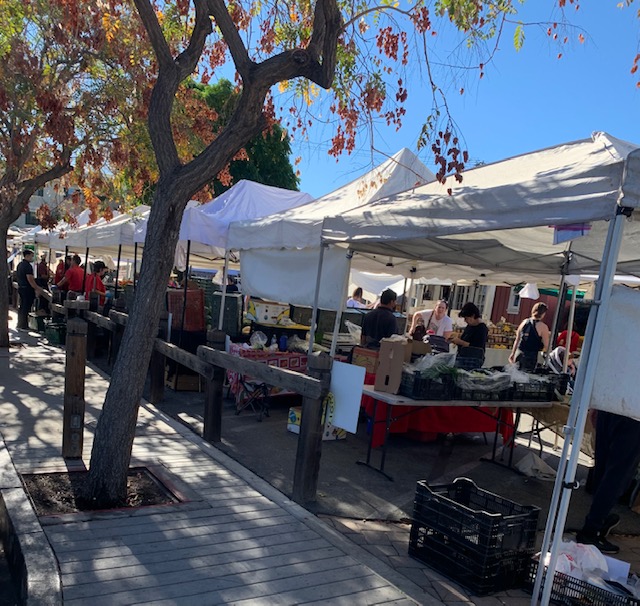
{"points": [[234, 540]]}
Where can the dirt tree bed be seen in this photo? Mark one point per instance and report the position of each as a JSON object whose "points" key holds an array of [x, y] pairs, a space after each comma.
{"points": [[65, 492]]}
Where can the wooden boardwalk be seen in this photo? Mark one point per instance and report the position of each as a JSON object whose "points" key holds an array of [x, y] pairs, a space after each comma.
{"points": [[234, 540]]}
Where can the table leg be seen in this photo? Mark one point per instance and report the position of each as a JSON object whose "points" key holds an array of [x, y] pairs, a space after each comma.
{"points": [[367, 463]]}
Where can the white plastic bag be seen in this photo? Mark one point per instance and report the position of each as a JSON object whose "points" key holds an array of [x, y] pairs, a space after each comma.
{"points": [[444, 359], [354, 330], [517, 376]]}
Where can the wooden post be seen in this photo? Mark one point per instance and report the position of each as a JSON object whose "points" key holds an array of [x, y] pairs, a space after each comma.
{"points": [[91, 340], [116, 339], [305, 476], [213, 387], [73, 415], [156, 372]]}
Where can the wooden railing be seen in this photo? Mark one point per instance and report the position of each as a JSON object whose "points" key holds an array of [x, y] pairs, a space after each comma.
{"points": [[209, 362]]}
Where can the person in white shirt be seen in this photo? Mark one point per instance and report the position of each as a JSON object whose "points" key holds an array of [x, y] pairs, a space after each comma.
{"points": [[436, 320], [356, 300]]}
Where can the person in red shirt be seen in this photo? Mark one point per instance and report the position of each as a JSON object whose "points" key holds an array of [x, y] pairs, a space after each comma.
{"points": [[93, 282], [575, 340], [61, 269], [74, 276]]}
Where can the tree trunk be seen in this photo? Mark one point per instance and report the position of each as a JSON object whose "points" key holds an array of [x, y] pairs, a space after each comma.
{"points": [[113, 442], [4, 294]]}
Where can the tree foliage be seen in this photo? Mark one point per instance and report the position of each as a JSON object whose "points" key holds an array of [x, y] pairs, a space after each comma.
{"points": [[90, 73]]}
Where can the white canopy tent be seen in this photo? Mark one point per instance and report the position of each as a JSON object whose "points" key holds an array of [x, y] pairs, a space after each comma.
{"points": [[206, 225], [498, 220], [279, 251]]}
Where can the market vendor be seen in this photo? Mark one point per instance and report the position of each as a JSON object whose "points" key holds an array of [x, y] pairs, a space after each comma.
{"points": [[532, 336], [436, 321], [380, 323], [473, 340]]}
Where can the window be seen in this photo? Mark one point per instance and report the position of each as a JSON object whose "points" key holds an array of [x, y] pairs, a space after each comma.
{"points": [[513, 307], [30, 218]]}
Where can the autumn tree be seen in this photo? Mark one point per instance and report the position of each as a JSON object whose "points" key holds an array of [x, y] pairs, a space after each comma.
{"points": [[61, 86], [359, 52]]}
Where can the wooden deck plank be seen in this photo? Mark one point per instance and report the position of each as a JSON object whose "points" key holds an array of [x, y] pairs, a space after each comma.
{"points": [[195, 553], [294, 589], [199, 517], [241, 572], [136, 541], [213, 544]]}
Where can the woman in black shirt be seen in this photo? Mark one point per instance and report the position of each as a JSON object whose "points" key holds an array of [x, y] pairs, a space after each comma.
{"points": [[473, 340]]}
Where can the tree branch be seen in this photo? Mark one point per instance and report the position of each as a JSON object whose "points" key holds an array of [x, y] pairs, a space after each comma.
{"points": [[187, 60], [156, 37], [230, 34]]}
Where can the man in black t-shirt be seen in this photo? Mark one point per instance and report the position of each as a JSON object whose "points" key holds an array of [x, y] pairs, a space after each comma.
{"points": [[27, 288], [380, 323]]}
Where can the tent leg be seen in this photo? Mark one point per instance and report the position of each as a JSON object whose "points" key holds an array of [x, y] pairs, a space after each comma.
{"points": [[225, 272], [115, 294], [314, 314], [135, 264], [345, 288], [184, 299], [565, 480], [572, 312]]}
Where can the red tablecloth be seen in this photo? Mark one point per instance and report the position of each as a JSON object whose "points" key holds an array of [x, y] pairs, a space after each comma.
{"points": [[292, 360], [437, 419]]}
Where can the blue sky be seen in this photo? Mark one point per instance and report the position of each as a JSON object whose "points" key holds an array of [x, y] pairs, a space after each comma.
{"points": [[527, 100]]}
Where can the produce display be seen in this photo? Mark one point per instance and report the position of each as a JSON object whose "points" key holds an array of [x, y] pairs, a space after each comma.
{"points": [[502, 335]]}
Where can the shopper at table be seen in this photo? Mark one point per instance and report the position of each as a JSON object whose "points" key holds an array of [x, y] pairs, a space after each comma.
{"points": [[573, 344], [532, 336], [380, 323], [616, 459], [93, 283], [473, 340], [356, 301], [74, 276], [436, 321]]}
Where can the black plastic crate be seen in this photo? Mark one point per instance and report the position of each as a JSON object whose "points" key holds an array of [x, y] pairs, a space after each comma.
{"points": [[569, 591], [541, 388], [475, 537], [480, 395], [413, 385]]}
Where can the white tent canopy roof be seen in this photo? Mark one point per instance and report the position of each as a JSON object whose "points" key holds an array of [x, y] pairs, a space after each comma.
{"points": [[301, 227], [499, 220], [208, 224]]}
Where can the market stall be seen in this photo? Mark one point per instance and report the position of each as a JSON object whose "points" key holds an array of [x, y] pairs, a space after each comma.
{"points": [[497, 220]]}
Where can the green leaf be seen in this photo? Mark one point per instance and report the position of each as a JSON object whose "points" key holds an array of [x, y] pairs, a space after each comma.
{"points": [[518, 37]]}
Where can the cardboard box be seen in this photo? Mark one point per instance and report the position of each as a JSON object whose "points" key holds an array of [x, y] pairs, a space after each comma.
{"points": [[330, 432], [419, 348], [393, 354], [265, 312], [368, 358]]}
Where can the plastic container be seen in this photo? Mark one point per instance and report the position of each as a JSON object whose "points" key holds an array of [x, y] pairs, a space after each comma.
{"points": [[283, 342], [569, 591], [477, 538], [413, 385]]}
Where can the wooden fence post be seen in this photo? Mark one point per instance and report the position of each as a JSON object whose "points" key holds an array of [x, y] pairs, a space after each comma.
{"points": [[116, 339], [305, 476], [213, 387], [74, 375]]}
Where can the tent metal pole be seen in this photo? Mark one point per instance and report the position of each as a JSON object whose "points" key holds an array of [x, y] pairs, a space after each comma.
{"points": [[316, 296], [84, 274], [571, 422], [115, 294], [135, 264], [184, 299], [225, 272], [562, 293], [345, 289], [572, 312], [566, 482]]}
